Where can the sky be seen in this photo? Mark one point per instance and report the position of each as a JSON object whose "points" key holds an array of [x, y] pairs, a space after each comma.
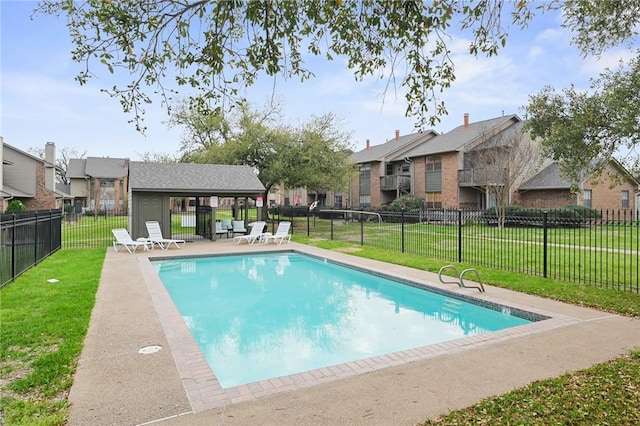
{"points": [[41, 102]]}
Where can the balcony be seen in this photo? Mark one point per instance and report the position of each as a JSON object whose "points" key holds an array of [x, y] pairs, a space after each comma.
{"points": [[395, 182], [482, 177]]}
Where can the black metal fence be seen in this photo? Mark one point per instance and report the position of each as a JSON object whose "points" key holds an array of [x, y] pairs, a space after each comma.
{"points": [[599, 248], [25, 239], [93, 229]]}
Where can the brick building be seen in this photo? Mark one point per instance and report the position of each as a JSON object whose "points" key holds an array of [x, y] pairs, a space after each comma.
{"points": [[468, 166]]}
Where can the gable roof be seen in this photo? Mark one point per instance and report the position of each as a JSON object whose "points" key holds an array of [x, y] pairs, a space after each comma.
{"points": [[194, 178], [462, 136], [392, 148], [551, 177], [75, 168], [547, 178], [98, 167], [110, 168]]}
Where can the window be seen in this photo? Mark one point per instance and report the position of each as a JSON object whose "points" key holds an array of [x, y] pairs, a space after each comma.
{"points": [[365, 201], [433, 175], [107, 183], [434, 200], [587, 198], [365, 182], [434, 163], [406, 168], [625, 199], [389, 168], [337, 201]]}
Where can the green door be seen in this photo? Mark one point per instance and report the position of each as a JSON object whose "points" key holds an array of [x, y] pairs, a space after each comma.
{"points": [[150, 206]]}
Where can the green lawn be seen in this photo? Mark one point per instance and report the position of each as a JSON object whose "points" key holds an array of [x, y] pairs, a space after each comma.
{"points": [[43, 328], [91, 231], [607, 255], [44, 325]]}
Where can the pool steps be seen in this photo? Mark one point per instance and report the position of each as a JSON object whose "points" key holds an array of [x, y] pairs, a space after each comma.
{"points": [[460, 281]]}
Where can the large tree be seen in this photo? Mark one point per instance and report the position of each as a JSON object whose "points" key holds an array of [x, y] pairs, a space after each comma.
{"points": [[318, 156], [314, 155], [583, 130], [500, 164], [217, 48]]}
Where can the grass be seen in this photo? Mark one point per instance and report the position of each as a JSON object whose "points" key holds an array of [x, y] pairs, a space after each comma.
{"points": [[43, 329], [91, 231], [605, 394], [44, 325], [601, 255], [624, 303]]}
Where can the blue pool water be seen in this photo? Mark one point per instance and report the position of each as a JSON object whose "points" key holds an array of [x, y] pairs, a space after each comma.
{"points": [[261, 316]]}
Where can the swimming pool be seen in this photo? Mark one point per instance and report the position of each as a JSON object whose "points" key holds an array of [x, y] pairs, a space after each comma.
{"points": [[259, 316]]}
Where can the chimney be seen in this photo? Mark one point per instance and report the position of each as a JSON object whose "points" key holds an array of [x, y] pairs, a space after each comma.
{"points": [[397, 134], [368, 144], [466, 120], [50, 171]]}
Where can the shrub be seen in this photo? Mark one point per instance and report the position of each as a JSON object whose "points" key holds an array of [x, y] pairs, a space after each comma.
{"points": [[407, 202], [566, 217], [16, 206], [289, 211], [584, 212]]}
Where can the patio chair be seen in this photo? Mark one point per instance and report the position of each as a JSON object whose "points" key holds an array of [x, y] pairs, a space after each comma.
{"points": [[226, 224], [255, 234], [124, 239], [281, 234], [221, 229], [155, 236], [237, 227]]}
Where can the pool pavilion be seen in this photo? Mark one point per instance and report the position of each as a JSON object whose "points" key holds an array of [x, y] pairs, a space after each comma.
{"points": [[153, 185]]}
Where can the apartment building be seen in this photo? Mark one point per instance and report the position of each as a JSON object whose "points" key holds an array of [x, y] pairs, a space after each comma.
{"points": [[98, 183], [477, 165]]}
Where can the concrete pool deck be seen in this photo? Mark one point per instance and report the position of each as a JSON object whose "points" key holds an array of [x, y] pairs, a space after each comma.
{"points": [[116, 385]]}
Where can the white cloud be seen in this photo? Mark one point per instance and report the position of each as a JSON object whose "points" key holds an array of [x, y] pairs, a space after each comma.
{"points": [[595, 65], [552, 36]]}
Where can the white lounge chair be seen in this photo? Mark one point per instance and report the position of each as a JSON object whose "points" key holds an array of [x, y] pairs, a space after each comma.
{"points": [[255, 234], [281, 234], [124, 239], [155, 236]]}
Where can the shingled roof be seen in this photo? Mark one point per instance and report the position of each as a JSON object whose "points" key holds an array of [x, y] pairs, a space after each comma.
{"points": [[547, 178], [194, 178], [461, 136], [392, 148], [97, 167]]}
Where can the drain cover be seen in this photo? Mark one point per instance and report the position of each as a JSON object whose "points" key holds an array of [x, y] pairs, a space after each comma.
{"points": [[149, 349]]}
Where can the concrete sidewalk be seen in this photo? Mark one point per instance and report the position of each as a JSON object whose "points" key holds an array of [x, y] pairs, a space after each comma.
{"points": [[115, 384]]}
